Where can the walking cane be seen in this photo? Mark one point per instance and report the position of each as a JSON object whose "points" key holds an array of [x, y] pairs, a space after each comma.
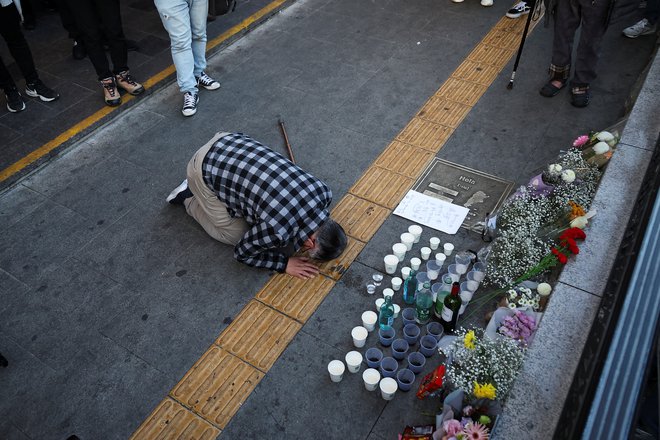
{"points": [[522, 43], [286, 141]]}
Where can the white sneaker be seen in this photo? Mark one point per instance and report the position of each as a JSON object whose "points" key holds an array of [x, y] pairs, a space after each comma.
{"points": [[520, 8], [457, 1], [486, 2], [190, 101], [642, 27]]}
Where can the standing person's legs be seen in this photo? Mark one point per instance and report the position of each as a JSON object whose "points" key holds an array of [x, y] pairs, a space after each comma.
{"points": [[205, 207], [198, 12], [10, 29], [87, 22], [175, 15], [594, 15], [110, 17], [567, 20]]}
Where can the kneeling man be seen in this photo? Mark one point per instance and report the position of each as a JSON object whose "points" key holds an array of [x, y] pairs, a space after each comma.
{"points": [[245, 194]]}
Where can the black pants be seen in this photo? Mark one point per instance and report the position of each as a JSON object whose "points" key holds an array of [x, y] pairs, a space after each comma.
{"points": [[10, 29], [93, 19]]}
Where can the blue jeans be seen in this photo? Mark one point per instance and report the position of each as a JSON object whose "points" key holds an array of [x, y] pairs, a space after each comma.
{"points": [[185, 21]]}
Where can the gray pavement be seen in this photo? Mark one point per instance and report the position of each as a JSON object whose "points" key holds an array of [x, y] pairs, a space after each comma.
{"points": [[108, 295]]}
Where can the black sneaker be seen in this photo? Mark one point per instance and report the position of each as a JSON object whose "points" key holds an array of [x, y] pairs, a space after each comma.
{"points": [[179, 194], [39, 90], [15, 101], [207, 82], [520, 8], [190, 101]]}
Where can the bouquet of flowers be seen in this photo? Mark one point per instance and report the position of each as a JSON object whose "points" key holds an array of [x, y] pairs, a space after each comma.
{"points": [[464, 430], [481, 367], [520, 327]]}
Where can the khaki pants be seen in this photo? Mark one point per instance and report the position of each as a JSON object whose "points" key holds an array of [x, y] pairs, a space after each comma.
{"points": [[205, 207]]}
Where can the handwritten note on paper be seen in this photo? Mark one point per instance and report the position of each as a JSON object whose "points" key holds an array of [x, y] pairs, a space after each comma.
{"points": [[432, 212]]}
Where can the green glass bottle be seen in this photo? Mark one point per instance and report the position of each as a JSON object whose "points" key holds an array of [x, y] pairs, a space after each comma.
{"points": [[410, 288], [386, 314], [424, 304], [450, 312]]}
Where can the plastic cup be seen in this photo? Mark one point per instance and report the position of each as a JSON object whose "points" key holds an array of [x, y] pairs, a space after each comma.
{"points": [[391, 262], [371, 288], [386, 336], [388, 366], [373, 357], [405, 379], [388, 387], [475, 276], [411, 333], [353, 361], [399, 250], [397, 310], [405, 272], [371, 377], [427, 345], [409, 315], [416, 231], [432, 270], [369, 319], [453, 273], [377, 278], [416, 362], [440, 258], [415, 263], [480, 271], [396, 283], [399, 349], [336, 369], [425, 252], [379, 303], [462, 263], [435, 329], [448, 248], [434, 242], [388, 292], [469, 285], [435, 289], [408, 239], [422, 278], [359, 334], [466, 296]]}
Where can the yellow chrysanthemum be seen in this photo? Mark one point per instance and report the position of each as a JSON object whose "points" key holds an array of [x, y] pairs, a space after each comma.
{"points": [[485, 391], [468, 341]]}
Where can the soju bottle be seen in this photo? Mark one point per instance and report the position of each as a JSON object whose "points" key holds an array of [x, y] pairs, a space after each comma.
{"points": [[450, 311], [445, 290], [410, 288], [386, 315], [424, 304]]}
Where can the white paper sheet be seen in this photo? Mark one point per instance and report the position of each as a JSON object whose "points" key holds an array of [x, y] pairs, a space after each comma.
{"points": [[429, 211]]}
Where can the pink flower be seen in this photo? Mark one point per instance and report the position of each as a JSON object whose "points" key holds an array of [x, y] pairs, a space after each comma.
{"points": [[476, 431], [452, 427], [581, 140]]}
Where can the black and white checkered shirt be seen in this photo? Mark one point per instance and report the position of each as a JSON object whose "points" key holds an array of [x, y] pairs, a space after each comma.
{"points": [[283, 204]]}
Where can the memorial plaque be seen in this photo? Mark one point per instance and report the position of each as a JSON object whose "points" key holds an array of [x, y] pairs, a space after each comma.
{"points": [[481, 193]]}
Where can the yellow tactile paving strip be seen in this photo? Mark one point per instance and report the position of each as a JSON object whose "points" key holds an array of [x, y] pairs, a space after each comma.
{"points": [[223, 378]]}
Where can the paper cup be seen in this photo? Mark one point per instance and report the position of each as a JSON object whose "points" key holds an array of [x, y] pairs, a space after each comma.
{"points": [[440, 258], [388, 292], [391, 261], [369, 319], [434, 242], [371, 377], [397, 310], [425, 252], [336, 369], [388, 387], [405, 272], [353, 361], [448, 248], [408, 239], [399, 249], [379, 303], [396, 283], [359, 334], [416, 231], [415, 263]]}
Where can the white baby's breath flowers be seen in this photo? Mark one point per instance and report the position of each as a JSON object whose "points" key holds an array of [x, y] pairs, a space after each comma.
{"points": [[601, 148], [568, 176]]}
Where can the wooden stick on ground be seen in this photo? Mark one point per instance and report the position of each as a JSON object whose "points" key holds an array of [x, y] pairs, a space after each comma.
{"points": [[286, 141]]}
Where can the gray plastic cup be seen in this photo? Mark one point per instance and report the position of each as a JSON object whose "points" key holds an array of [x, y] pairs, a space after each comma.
{"points": [[427, 345], [386, 336], [409, 315], [405, 378], [373, 356], [388, 367], [416, 362], [422, 278], [435, 329], [399, 349], [411, 333]]}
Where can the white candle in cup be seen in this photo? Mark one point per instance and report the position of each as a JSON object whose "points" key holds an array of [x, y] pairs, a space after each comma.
{"points": [[399, 249], [416, 231], [353, 361], [371, 377], [415, 263], [448, 248], [369, 319], [426, 253], [396, 283], [408, 239], [391, 262], [336, 369], [359, 335], [434, 242]]}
